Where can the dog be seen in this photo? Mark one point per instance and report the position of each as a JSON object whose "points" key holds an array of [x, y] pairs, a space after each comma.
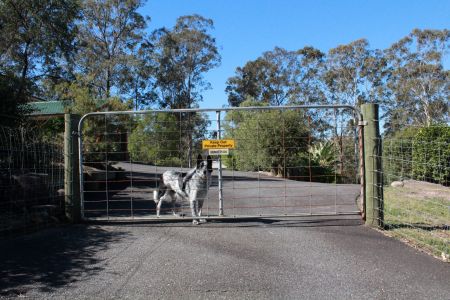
{"points": [[192, 186]]}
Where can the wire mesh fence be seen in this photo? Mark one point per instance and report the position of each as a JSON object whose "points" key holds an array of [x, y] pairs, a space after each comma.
{"points": [[286, 161], [31, 179], [416, 172]]}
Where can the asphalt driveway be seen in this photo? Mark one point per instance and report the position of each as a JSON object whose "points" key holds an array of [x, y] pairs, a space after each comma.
{"points": [[244, 194], [320, 258]]}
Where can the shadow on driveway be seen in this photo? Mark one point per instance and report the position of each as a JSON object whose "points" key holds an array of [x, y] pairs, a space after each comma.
{"points": [[301, 222], [52, 258]]}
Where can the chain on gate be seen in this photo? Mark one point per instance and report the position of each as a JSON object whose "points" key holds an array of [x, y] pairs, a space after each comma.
{"points": [[267, 161]]}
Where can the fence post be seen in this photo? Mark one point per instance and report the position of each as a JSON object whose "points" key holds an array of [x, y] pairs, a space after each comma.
{"points": [[71, 176], [373, 173]]}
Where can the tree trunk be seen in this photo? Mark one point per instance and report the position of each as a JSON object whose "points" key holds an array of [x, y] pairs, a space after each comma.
{"points": [[23, 78], [108, 83]]}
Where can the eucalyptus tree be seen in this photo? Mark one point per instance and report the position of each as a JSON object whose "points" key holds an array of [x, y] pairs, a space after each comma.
{"points": [[181, 56], [110, 33], [279, 77], [37, 39], [248, 82], [354, 74], [419, 83], [137, 81], [309, 88], [266, 79], [307, 76]]}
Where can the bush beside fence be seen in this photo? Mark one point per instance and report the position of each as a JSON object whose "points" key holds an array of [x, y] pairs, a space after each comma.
{"points": [[418, 153]]}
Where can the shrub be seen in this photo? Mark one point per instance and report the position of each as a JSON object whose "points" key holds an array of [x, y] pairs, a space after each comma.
{"points": [[266, 140], [418, 153], [397, 155], [431, 154], [155, 140]]}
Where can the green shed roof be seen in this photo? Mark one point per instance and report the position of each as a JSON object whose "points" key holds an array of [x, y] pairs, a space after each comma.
{"points": [[43, 108], [56, 108]]}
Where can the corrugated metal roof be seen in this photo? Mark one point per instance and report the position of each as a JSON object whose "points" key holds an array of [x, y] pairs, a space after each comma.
{"points": [[48, 107], [56, 108]]}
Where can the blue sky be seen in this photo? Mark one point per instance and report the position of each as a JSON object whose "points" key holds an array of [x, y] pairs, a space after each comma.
{"points": [[244, 29]]}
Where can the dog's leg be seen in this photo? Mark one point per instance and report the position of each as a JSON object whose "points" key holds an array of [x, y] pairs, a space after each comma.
{"points": [[159, 194], [174, 198], [168, 194], [178, 188], [156, 196], [200, 206], [158, 201], [158, 207], [194, 206]]}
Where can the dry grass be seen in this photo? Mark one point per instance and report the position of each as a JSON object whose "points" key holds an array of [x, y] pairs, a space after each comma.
{"points": [[419, 214]]}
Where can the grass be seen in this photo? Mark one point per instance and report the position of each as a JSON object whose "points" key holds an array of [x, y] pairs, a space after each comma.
{"points": [[419, 214]]}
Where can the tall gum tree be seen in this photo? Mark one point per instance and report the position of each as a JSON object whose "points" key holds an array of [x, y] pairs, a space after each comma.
{"points": [[111, 31], [37, 38], [181, 56], [354, 75], [419, 84]]}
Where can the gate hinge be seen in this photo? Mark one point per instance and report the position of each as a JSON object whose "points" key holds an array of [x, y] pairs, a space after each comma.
{"points": [[362, 123]]}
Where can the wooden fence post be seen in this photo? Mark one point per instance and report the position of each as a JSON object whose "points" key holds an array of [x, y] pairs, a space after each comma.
{"points": [[373, 164], [71, 176]]}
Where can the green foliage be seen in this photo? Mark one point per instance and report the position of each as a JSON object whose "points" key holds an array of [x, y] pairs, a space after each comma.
{"points": [[323, 161], [324, 154], [97, 145], [105, 136], [418, 153], [37, 38], [156, 140], [162, 139], [267, 140], [109, 38], [13, 107], [279, 77], [355, 74], [431, 154], [180, 57], [279, 142], [397, 155], [418, 82]]}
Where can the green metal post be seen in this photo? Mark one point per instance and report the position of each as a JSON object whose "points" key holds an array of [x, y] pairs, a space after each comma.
{"points": [[373, 164], [71, 176]]}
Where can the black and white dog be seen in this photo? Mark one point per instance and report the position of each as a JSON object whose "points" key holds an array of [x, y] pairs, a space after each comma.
{"points": [[192, 187]]}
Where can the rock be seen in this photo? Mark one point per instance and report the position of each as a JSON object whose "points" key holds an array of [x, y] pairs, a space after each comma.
{"points": [[397, 184], [60, 193]]}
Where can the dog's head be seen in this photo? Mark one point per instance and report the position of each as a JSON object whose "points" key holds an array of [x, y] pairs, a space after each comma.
{"points": [[204, 168]]}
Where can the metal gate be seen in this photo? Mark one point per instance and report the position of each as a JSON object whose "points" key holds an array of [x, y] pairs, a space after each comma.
{"points": [[268, 161]]}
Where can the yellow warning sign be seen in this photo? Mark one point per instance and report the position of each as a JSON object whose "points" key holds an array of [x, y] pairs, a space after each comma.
{"points": [[218, 144]]}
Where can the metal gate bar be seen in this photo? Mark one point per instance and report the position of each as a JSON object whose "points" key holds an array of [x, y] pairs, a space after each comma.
{"points": [[234, 198]]}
